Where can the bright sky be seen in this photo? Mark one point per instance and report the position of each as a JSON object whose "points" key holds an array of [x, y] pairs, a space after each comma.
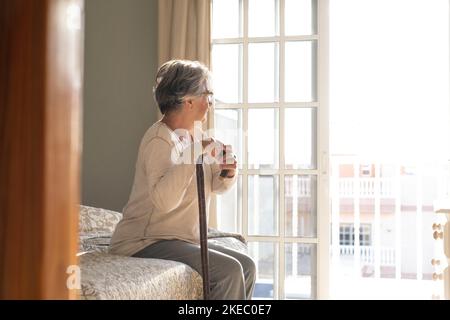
{"points": [[389, 78]]}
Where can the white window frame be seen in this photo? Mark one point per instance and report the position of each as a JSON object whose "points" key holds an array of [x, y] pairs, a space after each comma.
{"points": [[322, 240]]}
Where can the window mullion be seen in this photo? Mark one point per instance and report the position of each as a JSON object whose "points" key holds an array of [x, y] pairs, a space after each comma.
{"points": [[282, 232], [320, 13], [264, 39], [245, 117], [223, 105]]}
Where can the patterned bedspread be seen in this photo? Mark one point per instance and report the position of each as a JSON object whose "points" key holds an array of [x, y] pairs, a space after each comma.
{"points": [[107, 276]]}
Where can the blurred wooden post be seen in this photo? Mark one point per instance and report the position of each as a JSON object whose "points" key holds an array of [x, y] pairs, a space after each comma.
{"points": [[40, 123]]}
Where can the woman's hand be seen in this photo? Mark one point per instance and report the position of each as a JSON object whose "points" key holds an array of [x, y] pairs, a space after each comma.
{"points": [[228, 161], [207, 143], [221, 154]]}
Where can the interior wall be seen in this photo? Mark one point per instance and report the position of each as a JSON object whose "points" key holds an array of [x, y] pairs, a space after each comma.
{"points": [[120, 64]]}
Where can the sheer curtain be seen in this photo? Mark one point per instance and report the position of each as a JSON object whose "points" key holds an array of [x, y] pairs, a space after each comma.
{"points": [[184, 32]]}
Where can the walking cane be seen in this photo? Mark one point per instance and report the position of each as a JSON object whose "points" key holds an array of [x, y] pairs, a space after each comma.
{"points": [[203, 224], [203, 227]]}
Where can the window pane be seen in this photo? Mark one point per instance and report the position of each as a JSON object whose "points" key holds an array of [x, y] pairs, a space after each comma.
{"points": [[226, 68], [300, 73], [300, 200], [262, 72], [227, 19], [301, 275], [262, 18], [300, 17], [263, 138], [262, 205], [300, 138], [228, 129], [229, 205], [263, 253]]}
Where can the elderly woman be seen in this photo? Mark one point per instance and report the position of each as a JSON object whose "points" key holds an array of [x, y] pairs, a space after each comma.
{"points": [[160, 219]]}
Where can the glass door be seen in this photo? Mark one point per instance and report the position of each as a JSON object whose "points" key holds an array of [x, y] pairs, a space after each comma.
{"points": [[270, 74], [390, 140]]}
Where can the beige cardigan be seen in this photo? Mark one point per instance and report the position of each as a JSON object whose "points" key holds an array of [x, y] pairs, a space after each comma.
{"points": [[163, 203]]}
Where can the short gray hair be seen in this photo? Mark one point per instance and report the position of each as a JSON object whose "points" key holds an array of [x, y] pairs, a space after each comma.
{"points": [[177, 79]]}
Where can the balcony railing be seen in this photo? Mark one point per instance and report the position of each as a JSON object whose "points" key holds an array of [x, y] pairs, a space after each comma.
{"points": [[361, 187], [367, 187], [367, 254], [400, 208]]}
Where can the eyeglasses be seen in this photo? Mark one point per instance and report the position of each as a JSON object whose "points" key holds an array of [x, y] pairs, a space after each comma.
{"points": [[210, 96]]}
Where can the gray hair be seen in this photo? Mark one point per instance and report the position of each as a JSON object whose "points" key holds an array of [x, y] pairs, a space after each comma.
{"points": [[177, 79]]}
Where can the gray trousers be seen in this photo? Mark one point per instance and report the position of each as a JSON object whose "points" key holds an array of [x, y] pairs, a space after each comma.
{"points": [[232, 273]]}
